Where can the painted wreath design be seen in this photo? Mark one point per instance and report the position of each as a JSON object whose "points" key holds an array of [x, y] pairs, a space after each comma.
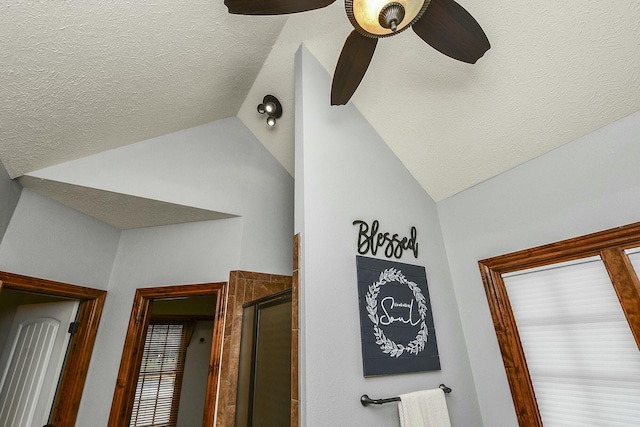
{"points": [[388, 346]]}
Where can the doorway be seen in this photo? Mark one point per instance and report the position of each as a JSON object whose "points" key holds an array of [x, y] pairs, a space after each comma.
{"points": [[172, 380], [142, 316], [74, 351]]}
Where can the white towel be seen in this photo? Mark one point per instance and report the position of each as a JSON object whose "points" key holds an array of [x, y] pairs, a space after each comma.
{"points": [[426, 408]]}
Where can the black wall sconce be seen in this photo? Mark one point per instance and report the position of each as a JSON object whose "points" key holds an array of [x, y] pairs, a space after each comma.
{"points": [[272, 108]]}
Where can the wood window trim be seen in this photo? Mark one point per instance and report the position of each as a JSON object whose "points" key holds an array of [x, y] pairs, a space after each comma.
{"points": [[121, 406], [65, 410], [609, 245]]}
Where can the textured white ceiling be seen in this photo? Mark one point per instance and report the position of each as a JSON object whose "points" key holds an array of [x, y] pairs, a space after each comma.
{"points": [[556, 71], [80, 77], [119, 210]]}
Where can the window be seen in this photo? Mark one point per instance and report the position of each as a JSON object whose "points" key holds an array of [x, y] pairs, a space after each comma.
{"points": [[567, 318], [158, 388]]}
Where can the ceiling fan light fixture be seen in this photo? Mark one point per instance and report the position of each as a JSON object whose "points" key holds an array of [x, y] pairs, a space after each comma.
{"points": [[384, 18]]}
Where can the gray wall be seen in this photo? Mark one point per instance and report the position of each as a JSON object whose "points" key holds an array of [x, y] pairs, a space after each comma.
{"points": [[50, 241], [223, 168], [588, 185], [344, 171], [218, 166], [149, 257], [9, 196]]}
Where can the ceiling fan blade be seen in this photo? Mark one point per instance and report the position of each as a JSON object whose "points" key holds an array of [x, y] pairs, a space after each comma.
{"points": [[449, 28], [273, 7], [352, 64]]}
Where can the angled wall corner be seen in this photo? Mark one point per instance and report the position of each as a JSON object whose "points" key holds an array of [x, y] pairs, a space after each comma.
{"points": [[51, 241], [119, 210], [217, 170], [10, 191], [345, 172], [199, 167]]}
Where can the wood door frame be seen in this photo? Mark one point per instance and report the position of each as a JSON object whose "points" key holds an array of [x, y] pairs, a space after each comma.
{"points": [[65, 411], [124, 392]]}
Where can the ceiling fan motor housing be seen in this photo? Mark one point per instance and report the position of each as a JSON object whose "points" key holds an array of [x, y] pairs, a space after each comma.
{"points": [[391, 15], [380, 18]]}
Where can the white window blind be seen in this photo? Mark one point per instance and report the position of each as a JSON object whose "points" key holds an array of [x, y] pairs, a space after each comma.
{"points": [[160, 377], [634, 257], [582, 357]]}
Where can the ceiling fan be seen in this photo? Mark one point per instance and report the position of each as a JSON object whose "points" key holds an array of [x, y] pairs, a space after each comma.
{"points": [[443, 24]]}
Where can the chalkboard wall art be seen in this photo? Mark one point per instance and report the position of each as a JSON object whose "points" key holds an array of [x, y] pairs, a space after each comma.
{"points": [[396, 323]]}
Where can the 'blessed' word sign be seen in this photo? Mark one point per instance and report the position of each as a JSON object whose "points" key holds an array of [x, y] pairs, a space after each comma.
{"points": [[370, 240]]}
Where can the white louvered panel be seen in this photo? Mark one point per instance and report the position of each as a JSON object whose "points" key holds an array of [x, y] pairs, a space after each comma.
{"points": [[555, 349], [27, 365], [583, 360], [634, 257], [588, 402]]}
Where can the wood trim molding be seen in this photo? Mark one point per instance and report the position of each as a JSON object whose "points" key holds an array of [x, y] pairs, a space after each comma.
{"points": [[609, 245], [72, 380], [124, 392], [121, 405], [566, 250], [215, 360], [627, 287], [295, 333], [48, 287], [515, 363]]}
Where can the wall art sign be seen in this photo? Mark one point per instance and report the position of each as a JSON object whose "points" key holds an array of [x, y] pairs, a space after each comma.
{"points": [[392, 245], [396, 323]]}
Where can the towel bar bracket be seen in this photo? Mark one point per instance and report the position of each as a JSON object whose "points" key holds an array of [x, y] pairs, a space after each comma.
{"points": [[366, 400]]}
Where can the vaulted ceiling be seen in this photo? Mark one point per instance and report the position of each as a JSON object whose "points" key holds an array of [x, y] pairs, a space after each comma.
{"points": [[81, 77]]}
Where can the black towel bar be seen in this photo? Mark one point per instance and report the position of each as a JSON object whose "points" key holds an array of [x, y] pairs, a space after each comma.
{"points": [[366, 400]]}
